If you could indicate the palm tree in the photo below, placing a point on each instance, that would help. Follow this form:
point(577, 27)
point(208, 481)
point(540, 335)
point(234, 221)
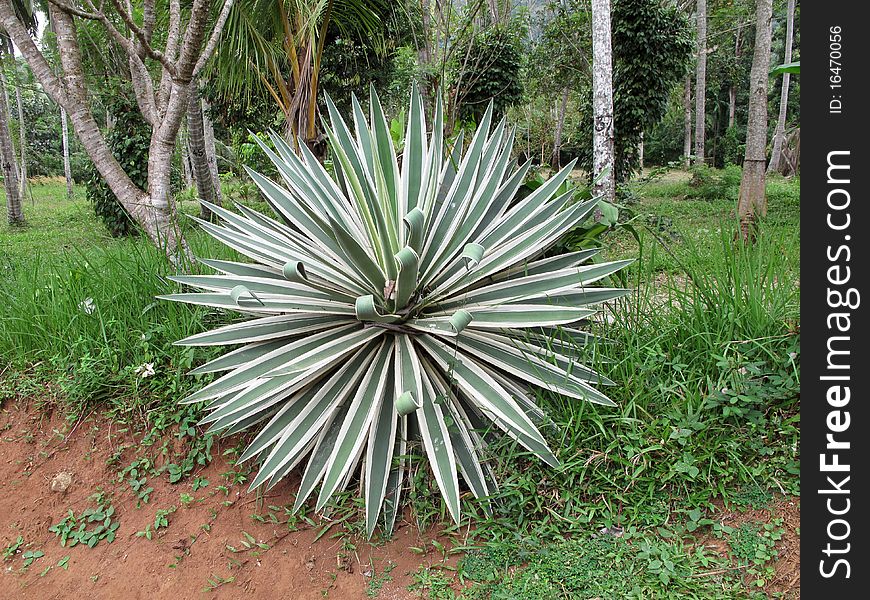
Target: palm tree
point(277, 45)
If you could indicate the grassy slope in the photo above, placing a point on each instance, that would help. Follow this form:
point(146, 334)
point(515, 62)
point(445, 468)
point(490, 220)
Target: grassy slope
point(707, 384)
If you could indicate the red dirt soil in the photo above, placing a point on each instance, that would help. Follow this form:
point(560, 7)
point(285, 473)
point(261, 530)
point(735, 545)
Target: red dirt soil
point(35, 446)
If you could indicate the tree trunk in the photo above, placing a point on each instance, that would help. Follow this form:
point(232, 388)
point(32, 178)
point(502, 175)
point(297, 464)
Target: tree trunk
point(687, 123)
point(732, 104)
point(732, 89)
point(198, 159)
point(701, 83)
point(211, 151)
point(602, 103)
point(556, 159)
point(640, 153)
point(776, 159)
point(157, 214)
point(22, 144)
point(752, 201)
point(184, 141)
point(187, 47)
point(67, 168)
point(14, 211)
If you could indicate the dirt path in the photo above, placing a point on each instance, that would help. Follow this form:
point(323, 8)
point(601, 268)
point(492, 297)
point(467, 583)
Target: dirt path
point(216, 544)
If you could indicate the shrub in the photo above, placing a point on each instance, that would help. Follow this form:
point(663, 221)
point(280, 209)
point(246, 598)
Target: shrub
point(395, 302)
point(129, 141)
point(715, 184)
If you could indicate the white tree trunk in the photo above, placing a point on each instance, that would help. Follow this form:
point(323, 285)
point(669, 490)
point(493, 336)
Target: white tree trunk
point(687, 122)
point(701, 83)
point(732, 89)
point(776, 161)
point(556, 159)
point(14, 211)
point(602, 103)
point(22, 144)
point(752, 200)
point(67, 167)
point(640, 152)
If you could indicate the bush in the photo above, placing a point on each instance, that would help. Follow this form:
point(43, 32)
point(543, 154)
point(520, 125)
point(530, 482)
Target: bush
point(715, 184)
point(129, 141)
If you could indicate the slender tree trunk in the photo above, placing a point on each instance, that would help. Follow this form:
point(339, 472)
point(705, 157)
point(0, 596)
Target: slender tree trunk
point(67, 167)
point(602, 102)
point(184, 141)
point(732, 104)
point(22, 144)
point(701, 82)
point(752, 200)
point(211, 151)
point(640, 153)
point(687, 122)
point(732, 89)
point(14, 211)
point(556, 159)
point(198, 158)
point(776, 161)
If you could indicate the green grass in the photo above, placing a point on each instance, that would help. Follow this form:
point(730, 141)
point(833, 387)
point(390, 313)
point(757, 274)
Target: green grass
point(54, 225)
point(705, 353)
point(673, 216)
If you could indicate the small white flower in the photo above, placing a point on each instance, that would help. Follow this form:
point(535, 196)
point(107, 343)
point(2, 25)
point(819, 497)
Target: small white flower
point(87, 305)
point(145, 370)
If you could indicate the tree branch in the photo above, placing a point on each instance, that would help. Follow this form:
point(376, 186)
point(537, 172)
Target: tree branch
point(75, 11)
point(213, 40)
point(144, 45)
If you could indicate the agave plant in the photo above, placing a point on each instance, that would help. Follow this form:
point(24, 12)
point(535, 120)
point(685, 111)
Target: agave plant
point(396, 302)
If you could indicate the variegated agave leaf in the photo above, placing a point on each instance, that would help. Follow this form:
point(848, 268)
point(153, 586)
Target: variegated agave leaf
point(386, 294)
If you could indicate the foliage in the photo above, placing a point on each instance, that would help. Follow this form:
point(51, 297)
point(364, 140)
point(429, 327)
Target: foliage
point(586, 236)
point(412, 296)
point(663, 143)
point(714, 184)
point(753, 546)
point(671, 363)
point(490, 64)
point(129, 141)
point(90, 527)
point(732, 148)
point(82, 307)
point(651, 49)
point(44, 141)
point(13, 548)
point(634, 565)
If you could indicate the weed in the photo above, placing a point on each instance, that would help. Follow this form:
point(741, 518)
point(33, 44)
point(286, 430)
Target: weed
point(377, 580)
point(753, 546)
point(90, 527)
point(13, 548)
point(29, 556)
point(215, 581)
point(161, 521)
